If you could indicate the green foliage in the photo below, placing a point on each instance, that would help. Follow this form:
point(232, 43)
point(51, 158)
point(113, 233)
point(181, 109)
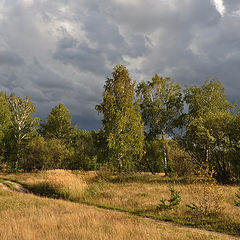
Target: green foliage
point(233, 154)
point(208, 131)
point(56, 154)
point(58, 124)
point(100, 143)
point(208, 97)
point(161, 108)
point(84, 153)
point(41, 154)
point(174, 200)
point(5, 121)
point(34, 154)
point(212, 131)
point(161, 105)
point(122, 125)
point(152, 159)
point(22, 129)
point(57, 130)
point(180, 161)
point(237, 201)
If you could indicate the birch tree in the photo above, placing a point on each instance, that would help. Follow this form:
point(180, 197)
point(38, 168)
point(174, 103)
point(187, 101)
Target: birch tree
point(161, 106)
point(23, 127)
point(122, 123)
point(209, 136)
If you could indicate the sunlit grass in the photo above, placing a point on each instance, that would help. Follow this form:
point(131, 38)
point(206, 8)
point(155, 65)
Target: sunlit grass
point(60, 184)
point(28, 217)
point(141, 194)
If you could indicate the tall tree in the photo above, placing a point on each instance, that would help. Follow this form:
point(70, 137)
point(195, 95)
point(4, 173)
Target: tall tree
point(208, 97)
point(58, 124)
point(209, 120)
point(23, 127)
point(5, 121)
point(161, 108)
point(122, 124)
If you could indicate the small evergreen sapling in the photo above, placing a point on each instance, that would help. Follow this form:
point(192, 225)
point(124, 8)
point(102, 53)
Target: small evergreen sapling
point(237, 202)
point(174, 200)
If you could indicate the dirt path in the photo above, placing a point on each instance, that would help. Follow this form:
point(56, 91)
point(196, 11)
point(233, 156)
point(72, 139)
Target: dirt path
point(13, 186)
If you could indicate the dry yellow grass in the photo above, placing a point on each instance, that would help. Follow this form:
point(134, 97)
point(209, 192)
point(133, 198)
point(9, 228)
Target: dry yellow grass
point(67, 184)
point(144, 195)
point(28, 217)
point(62, 183)
point(147, 195)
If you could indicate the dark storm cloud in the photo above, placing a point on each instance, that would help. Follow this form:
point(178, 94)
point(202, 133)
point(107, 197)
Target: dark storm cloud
point(232, 6)
point(83, 57)
point(10, 58)
point(62, 51)
point(86, 122)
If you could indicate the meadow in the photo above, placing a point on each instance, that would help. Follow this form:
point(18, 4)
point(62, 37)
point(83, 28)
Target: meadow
point(62, 204)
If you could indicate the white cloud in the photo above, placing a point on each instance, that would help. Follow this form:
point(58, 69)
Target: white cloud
point(127, 2)
point(28, 2)
point(219, 6)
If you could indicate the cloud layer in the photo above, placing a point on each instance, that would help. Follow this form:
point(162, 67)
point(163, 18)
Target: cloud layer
point(62, 51)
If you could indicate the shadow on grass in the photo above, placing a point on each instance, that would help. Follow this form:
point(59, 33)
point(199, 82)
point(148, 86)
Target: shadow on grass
point(44, 189)
point(146, 178)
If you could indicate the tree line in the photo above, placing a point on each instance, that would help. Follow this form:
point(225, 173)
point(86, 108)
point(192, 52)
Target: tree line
point(154, 126)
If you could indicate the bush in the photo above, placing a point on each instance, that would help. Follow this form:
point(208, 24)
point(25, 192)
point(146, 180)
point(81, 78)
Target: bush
point(237, 202)
point(180, 161)
point(210, 201)
point(174, 200)
point(44, 154)
point(152, 160)
point(34, 154)
point(84, 154)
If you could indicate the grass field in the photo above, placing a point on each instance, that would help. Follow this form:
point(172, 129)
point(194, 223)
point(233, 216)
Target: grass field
point(27, 216)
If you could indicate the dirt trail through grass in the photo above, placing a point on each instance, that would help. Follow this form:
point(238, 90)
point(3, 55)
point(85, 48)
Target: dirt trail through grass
point(9, 185)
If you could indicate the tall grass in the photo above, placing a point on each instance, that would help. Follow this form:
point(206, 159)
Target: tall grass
point(61, 184)
point(28, 217)
point(141, 194)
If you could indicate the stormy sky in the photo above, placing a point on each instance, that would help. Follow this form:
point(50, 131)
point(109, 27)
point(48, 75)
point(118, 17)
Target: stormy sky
point(62, 51)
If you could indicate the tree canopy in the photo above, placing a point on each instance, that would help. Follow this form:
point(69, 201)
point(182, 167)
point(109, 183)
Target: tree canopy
point(161, 108)
point(58, 124)
point(209, 121)
point(122, 123)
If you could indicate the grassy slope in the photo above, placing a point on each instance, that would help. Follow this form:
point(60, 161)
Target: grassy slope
point(25, 216)
point(141, 194)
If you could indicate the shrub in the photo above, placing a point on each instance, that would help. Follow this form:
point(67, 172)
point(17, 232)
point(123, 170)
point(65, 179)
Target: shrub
point(180, 161)
point(237, 202)
point(152, 160)
point(208, 200)
point(44, 154)
point(34, 154)
point(174, 200)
